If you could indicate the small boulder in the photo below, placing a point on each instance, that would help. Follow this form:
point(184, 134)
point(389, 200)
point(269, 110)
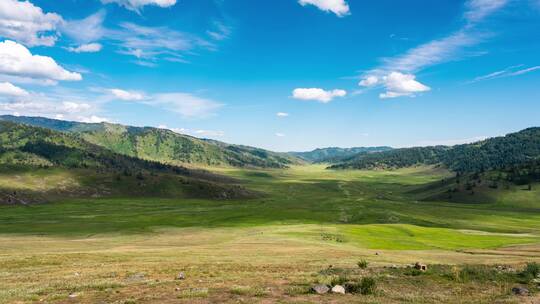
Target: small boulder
point(72, 295)
point(320, 289)
point(420, 266)
point(338, 289)
point(520, 291)
point(181, 276)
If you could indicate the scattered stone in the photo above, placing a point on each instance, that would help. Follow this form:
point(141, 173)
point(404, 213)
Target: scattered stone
point(520, 291)
point(177, 289)
point(320, 289)
point(420, 266)
point(376, 253)
point(181, 276)
point(394, 266)
point(73, 295)
point(338, 289)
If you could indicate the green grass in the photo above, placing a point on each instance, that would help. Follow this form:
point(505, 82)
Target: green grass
point(371, 209)
point(312, 225)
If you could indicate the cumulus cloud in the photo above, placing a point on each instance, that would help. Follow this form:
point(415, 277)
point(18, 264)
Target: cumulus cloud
point(93, 119)
point(280, 134)
point(40, 105)
point(317, 94)
point(86, 48)
point(282, 114)
point(398, 84)
point(8, 89)
point(338, 7)
point(126, 95)
point(136, 5)
point(28, 24)
point(16, 60)
point(369, 81)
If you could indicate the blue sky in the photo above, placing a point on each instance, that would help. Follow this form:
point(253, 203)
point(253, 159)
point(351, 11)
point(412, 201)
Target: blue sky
point(282, 75)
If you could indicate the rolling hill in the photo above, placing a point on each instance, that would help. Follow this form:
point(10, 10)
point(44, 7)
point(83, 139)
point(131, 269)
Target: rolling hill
point(163, 145)
point(496, 153)
point(335, 154)
point(50, 165)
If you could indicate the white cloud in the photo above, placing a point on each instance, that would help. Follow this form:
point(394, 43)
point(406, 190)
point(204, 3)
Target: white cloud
point(148, 44)
point(87, 30)
point(317, 94)
point(187, 105)
point(512, 71)
point(196, 133)
point(135, 5)
point(28, 24)
point(449, 48)
point(43, 106)
point(280, 134)
point(86, 48)
point(480, 9)
point(338, 7)
point(126, 95)
point(73, 107)
point(8, 89)
point(16, 60)
point(221, 31)
point(398, 84)
point(369, 81)
point(432, 53)
point(92, 119)
point(54, 102)
point(282, 114)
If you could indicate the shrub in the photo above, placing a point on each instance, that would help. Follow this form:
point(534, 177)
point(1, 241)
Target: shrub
point(366, 286)
point(530, 272)
point(363, 264)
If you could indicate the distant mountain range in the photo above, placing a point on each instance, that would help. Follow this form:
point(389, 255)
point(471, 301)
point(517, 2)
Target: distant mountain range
point(515, 149)
point(42, 141)
point(161, 145)
point(334, 154)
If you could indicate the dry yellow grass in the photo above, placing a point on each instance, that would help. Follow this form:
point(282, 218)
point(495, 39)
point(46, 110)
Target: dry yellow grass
point(253, 265)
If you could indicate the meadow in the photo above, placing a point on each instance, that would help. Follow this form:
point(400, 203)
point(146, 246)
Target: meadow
point(308, 225)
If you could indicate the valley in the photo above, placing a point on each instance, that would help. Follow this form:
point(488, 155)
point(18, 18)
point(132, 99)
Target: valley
point(128, 249)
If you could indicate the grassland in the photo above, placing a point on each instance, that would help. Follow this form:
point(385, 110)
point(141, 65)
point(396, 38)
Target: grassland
point(271, 248)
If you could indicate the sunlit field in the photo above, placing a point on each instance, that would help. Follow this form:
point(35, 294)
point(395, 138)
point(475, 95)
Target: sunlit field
point(309, 225)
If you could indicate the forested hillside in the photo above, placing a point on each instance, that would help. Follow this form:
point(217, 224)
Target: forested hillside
point(163, 145)
point(503, 152)
point(334, 154)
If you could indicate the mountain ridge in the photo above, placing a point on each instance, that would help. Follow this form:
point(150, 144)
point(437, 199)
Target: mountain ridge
point(163, 145)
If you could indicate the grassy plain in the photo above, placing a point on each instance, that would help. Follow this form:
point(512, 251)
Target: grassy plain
point(269, 249)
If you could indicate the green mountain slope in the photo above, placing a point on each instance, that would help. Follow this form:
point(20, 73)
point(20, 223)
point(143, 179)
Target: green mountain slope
point(335, 154)
point(163, 145)
point(491, 154)
point(85, 169)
